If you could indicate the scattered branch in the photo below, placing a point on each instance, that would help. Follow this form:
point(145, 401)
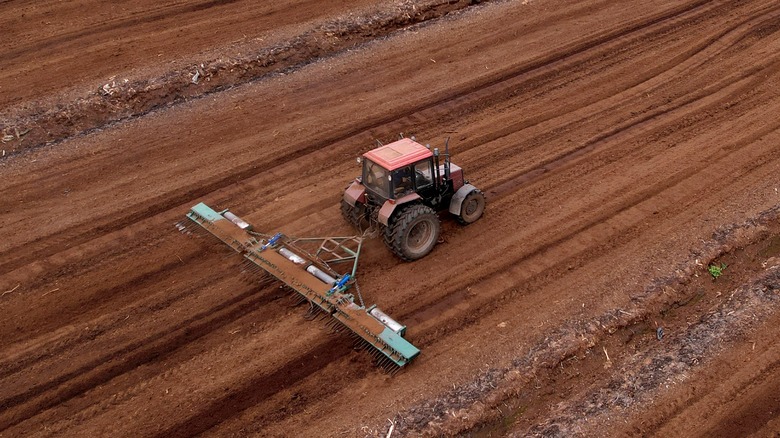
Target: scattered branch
point(11, 290)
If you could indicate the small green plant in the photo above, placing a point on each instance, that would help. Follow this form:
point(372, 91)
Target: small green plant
point(716, 270)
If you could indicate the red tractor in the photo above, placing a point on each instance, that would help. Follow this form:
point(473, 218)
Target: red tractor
point(402, 189)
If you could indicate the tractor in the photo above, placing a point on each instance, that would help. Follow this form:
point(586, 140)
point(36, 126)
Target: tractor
point(402, 189)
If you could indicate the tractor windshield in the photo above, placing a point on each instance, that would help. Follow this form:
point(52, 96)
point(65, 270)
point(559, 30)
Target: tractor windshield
point(376, 178)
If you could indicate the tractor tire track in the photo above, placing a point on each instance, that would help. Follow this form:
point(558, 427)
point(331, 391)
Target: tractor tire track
point(427, 310)
point(592, 111)
point(155, 14)
point(537, 281)
point(545, 171)
point(122, 100)
point(141, 352)
point(259, 389)
point(162, 204)
point(660, 144)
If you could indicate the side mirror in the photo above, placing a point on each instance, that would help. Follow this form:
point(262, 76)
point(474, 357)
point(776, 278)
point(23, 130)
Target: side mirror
point(359, 160)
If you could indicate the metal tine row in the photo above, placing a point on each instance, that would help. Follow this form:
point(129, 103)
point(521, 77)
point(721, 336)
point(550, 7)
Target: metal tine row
point(296, 299)
point(313, 312)
point(193, 229)
point(360, 344)
point(250, 268)
point(393, 369)
point(336, 327)
point(385, 362)
point(189, 228)
point(182, 226)
point(228, 252)
point(379, 358)
point(266, 282)
point(257, 276)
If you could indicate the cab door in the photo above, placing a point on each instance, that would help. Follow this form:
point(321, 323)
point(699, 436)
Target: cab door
point(423, 179)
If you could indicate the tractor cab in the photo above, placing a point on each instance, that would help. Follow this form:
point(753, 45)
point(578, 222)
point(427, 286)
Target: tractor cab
point(398, 169)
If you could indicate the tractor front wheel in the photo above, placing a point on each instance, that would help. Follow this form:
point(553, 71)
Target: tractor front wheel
point(472, 207)
point(413, 232)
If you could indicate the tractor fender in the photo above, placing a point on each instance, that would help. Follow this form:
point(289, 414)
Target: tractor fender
point(356, 192)
point(459, 196)
point(391, 204)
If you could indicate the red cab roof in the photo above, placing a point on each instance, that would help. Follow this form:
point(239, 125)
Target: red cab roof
point(398, 154)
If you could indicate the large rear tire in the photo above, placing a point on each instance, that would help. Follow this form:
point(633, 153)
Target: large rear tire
point(413, 232)
point(472, 207)
point(353, 215)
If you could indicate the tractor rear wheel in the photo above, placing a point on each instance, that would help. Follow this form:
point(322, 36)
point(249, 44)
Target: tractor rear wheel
point(353, 214)
point(413, 232)
point(472, 207)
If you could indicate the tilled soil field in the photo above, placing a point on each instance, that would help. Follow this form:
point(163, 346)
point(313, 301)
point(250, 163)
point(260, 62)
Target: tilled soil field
point(625, 147)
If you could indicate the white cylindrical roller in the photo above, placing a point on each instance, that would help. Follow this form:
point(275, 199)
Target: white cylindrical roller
point(295, 258)
point(322, 276)
point(240, 223)
point(387, 321)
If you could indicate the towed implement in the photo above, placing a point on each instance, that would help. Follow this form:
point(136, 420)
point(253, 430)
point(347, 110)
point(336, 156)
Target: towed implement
point(305, 266)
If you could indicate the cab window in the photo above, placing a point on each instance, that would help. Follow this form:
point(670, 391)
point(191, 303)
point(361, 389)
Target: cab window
point(376, 178)
point(423, 174)
point(402, 181)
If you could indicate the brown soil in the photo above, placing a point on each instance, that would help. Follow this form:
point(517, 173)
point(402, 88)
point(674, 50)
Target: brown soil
point(624, 147)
